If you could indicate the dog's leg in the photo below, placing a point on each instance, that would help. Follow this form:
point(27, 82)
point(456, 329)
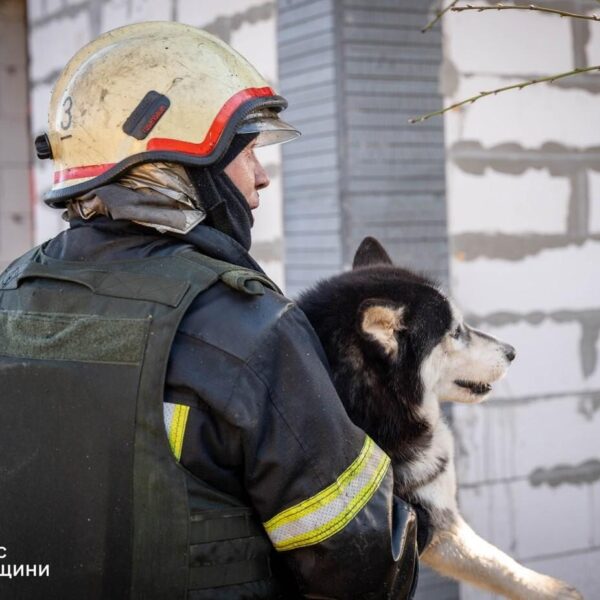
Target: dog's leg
point(458, 552)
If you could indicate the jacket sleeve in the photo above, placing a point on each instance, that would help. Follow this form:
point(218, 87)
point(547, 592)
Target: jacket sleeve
point(322, 488)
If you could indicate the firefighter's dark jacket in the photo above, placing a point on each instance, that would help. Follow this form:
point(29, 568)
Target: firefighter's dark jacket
point(284, 496)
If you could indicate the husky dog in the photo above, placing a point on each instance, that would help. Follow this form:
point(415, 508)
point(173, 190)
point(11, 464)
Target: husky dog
point(397, 348)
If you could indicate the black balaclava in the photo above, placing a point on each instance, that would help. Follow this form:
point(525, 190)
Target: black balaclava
point(226, 208)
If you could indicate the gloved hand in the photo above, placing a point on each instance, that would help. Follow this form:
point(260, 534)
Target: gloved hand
point(424, 527)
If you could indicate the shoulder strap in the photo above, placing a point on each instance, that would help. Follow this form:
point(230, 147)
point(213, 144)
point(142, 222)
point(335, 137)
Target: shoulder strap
point(145, 285)
point(239, 278)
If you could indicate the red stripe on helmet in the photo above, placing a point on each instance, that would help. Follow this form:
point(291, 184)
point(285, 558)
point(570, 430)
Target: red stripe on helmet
point(216, 129)
point(167, 144)
point(81, 172)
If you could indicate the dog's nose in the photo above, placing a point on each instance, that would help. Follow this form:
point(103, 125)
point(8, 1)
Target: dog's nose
point(509, 352)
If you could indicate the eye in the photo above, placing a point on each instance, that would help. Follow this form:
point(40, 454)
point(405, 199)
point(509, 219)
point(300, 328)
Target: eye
point(456, 333)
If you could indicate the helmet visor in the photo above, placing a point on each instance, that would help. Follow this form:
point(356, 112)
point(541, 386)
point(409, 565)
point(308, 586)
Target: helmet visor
point(270, 128)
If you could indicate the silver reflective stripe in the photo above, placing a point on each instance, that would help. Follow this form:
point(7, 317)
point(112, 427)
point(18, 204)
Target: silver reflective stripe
point(328, 512)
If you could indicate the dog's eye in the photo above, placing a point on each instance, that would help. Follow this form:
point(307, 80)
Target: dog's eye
point(456, 333)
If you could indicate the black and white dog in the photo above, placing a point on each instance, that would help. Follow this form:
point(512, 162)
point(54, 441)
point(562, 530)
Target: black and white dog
point(397, 348)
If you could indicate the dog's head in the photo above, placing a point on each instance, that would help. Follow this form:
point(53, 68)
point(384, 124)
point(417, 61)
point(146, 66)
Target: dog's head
point(394, 325)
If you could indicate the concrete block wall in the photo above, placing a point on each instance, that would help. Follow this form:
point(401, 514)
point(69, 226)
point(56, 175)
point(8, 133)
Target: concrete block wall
point(313, 216)
point(354, 71)
point(15, 206)
point(523, 180)
point(58, 28)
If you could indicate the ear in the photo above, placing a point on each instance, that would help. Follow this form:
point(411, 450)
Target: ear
point(379, 321)
point(370, 252)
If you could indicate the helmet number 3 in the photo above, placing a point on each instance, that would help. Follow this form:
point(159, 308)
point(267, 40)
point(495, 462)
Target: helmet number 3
point(67, 119)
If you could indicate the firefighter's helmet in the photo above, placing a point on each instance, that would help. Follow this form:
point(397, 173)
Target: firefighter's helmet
point(156, 91)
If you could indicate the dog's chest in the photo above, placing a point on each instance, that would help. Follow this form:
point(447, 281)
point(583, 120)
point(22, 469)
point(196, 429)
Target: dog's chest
point(430, 463)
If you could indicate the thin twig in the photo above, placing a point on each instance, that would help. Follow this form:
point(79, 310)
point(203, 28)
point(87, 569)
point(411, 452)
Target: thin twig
point(520, 86)
point(439, 14)
point(533, 7)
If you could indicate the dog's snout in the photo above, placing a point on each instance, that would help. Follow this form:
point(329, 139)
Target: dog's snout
point(509, 352)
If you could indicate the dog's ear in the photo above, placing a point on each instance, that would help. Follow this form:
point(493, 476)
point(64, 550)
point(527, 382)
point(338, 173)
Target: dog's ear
point(370, 252)
point(380, 321)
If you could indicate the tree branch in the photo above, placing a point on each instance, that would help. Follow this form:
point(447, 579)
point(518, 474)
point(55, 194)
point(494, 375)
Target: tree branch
point(439, 14)
point(520, 86)
point(532, 7)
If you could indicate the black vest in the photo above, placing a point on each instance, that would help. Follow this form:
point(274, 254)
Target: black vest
point(92, 499)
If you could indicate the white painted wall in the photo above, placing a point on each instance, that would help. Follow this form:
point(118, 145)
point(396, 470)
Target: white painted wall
point(57, 29)
point(15, 206)
point(524, 213)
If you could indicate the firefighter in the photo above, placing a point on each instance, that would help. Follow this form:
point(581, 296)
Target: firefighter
point(169, 424)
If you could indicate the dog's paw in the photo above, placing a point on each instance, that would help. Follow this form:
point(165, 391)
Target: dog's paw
point(554, 589)
point(543, 587)
point(568, 593)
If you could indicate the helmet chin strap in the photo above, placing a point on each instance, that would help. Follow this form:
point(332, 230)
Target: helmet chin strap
point(226, 207)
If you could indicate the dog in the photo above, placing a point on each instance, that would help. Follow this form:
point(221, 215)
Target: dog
point(397, 347)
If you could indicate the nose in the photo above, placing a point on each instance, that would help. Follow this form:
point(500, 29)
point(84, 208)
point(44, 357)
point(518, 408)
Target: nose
point(261, 179)
point(509, 352)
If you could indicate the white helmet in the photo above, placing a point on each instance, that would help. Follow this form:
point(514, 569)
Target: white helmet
point(157, 91)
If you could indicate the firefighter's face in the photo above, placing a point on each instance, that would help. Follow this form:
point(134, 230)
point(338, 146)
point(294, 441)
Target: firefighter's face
point(248, 175)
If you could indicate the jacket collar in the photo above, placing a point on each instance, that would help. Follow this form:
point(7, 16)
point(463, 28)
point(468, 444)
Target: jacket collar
point(212, 242)
point(104, 239)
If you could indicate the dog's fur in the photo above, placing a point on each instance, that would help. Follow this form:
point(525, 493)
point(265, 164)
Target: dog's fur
point(397, 347)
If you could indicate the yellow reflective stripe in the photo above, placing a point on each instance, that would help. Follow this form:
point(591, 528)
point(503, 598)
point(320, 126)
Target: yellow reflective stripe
point(176, 420)
point(335, 525)
point(323, 497)
point(329, 511)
